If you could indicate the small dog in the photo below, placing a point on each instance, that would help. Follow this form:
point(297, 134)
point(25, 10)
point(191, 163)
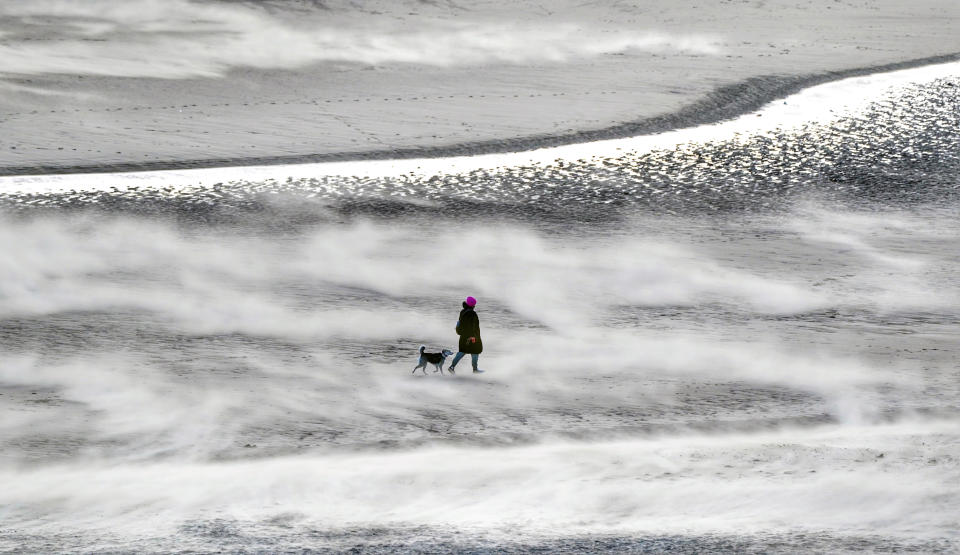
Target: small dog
point(436, 359)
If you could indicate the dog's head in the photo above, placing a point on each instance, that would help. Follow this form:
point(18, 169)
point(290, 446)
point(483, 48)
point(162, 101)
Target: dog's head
point(445, 353)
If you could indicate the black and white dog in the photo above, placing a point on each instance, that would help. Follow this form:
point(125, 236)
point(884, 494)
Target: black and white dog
point(436, 359)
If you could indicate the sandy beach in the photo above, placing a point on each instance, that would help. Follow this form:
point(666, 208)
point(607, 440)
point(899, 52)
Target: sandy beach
point(437, 79)
point(728, 338)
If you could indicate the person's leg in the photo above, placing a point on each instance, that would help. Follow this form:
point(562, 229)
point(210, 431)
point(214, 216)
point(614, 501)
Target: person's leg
point(456, 359)
point(474, 358)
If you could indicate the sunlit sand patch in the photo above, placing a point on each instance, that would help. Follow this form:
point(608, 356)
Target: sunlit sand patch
point(807, 137)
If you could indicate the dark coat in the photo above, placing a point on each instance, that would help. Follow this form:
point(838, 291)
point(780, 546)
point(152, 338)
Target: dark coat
point(469, 326)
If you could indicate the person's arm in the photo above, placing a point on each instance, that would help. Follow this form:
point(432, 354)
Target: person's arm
point(473, 330)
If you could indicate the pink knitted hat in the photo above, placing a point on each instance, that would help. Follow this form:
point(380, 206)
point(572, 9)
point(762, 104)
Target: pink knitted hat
point(471, 301)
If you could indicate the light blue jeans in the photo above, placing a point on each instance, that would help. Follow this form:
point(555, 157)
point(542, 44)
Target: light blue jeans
point(473, 358)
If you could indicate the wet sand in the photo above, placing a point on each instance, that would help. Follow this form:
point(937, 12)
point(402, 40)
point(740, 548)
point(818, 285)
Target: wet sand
point(334, 110)
point(743, 341)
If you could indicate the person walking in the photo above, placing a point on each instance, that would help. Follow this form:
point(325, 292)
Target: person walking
point(468, 328)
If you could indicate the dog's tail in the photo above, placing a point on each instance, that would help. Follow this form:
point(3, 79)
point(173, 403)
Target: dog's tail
point(422, 348)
